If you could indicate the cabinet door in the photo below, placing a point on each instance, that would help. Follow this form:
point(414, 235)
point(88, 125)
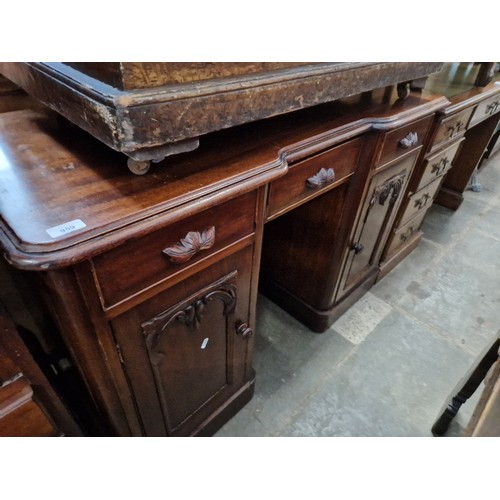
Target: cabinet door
point(186, 352)
point(377, 215)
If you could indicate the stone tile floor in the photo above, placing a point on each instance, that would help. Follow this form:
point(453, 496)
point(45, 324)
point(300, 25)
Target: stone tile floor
point(386, 366)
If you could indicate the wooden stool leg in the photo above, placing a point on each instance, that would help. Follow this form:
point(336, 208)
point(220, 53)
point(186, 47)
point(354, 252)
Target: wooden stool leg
point(466, 388)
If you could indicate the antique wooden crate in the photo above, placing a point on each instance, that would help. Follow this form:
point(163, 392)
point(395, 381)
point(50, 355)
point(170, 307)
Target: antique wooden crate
point(151, 110)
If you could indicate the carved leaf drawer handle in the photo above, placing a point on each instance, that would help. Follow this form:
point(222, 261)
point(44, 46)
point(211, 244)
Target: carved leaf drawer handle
point(190, 245)
point(409, 141)
point(322, 178)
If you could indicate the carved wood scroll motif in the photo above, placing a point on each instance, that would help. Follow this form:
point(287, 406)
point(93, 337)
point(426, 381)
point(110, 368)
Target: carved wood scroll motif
point(392, 185)
point(190, 311)
point(190, 245)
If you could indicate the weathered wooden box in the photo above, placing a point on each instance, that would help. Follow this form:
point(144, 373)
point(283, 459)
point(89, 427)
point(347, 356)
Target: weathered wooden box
point(151, 110)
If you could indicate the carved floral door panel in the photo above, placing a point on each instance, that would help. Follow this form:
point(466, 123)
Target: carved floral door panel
point(379, 210)
point(184, 358)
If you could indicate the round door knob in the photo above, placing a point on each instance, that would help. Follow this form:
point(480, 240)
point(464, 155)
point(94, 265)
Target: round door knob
point(358, 248)
point(244, 330)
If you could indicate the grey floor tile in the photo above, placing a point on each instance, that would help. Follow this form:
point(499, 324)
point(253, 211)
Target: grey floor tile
point(431, 316)
point(483, 199)
point(412, 269)
point(444, 226)
point(460, 300)
point(291, 364)
point(391, 385)
point(360, 320)
point(489, 223)
point(278, 409)
point(479, 249)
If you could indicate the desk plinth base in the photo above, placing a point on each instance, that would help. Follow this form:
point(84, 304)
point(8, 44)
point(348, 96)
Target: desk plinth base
point(223, 414)
point(449, 198)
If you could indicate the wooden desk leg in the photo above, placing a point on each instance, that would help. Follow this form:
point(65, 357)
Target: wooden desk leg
point(466, 162)
point(465, 388)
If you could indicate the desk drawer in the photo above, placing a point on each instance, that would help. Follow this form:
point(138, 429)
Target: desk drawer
point(420, 201)
point(404, 234)
point(486, 109)
point(138, 264)
point(20, 414)
point(307, 178)
point(404, 139)
point(437, 165)
point(451, 128)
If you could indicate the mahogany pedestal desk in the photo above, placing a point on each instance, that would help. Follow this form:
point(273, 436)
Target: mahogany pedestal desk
point(152, 280)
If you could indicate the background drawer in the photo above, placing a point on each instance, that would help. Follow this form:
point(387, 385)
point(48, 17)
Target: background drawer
point(20, 415)
point(404, 139)
point(485, 109)
point(304, 180)
point(420, 201)
point(140, 263)
point(404, 234)
point(437, 165)
point(451, 128)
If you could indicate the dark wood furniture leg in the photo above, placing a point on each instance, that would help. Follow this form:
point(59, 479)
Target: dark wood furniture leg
point(485, 420)
point(33, 408)
point(466, 162)
point(485, 74)
point(466, 387)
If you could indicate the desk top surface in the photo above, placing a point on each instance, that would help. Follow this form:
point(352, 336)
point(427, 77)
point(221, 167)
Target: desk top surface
point(65, 195)
point(456, 82)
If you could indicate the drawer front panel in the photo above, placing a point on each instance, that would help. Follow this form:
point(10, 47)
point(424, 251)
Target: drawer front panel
point(451, 128)
point(437, 165)
point(140, 263)
point(420, 201)
point(404, 139)
point(486, 109)
point(307, 178)
point(404, 234)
